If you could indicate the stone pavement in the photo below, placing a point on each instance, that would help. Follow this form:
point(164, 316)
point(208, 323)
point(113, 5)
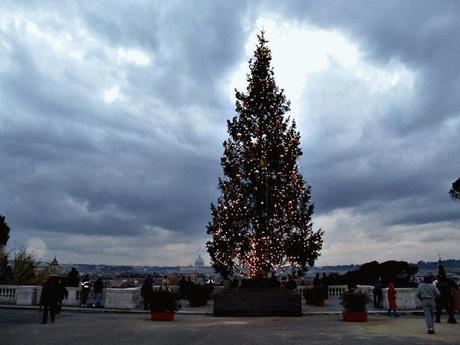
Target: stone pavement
point(332, 306)
point(22, 327)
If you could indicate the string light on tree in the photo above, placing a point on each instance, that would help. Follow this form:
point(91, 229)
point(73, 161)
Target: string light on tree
point(262, 219)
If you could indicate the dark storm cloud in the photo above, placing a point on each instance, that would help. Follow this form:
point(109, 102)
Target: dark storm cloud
point(409, 149)
point(148, 158)
point(78, 166)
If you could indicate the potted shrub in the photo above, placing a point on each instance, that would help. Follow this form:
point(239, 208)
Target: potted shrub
point(354, 305)
point(163, 305)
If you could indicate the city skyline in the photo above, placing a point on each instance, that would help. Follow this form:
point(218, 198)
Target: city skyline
point(113, 116)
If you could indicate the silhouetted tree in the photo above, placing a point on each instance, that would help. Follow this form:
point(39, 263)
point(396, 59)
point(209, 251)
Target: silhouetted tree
point(455, 190)
point(5, 269)
point(4, 231)
point(263, 217)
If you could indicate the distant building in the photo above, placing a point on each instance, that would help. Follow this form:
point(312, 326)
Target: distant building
point(199, 262)
point(54, 268)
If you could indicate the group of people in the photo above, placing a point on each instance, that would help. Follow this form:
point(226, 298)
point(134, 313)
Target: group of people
point(187, 289)
point(436, 296)
point(54, 291)
point(87, 290)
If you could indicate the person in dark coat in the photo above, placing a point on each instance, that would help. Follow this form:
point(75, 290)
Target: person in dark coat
point(62, 293)
point(182, 288)
point(147, 291)
point(49, 300)
point(444, 300)
point(97, 289)
point(378, 294)
point(73, 278)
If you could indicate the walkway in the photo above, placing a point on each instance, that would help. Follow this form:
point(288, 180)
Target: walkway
point(22, 327)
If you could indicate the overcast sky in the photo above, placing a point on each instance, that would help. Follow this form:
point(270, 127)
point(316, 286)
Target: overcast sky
point(113, 114)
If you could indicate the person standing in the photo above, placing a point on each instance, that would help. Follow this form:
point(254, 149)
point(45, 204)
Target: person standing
point(85, 290)
point(147, 291)
point(444, 300)
point(61, 294)
point(427, 293)
point(98, 288)
point(182, 288)
point(49, 300)
point(378, 294)
point(391, 293)
point(73, 278)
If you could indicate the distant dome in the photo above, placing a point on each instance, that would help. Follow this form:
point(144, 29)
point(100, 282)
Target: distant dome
point(199, 261)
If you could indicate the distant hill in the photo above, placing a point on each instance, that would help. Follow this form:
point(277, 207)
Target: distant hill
point(114, 269)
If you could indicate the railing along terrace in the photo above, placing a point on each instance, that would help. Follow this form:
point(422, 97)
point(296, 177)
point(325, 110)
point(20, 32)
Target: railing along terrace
point(8, 294)
point(336, 290)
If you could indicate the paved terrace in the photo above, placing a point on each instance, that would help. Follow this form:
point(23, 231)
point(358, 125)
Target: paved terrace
point(22, 327)
point(332, 306)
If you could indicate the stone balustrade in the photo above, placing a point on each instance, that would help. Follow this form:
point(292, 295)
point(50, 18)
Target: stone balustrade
point(130, 298)
point(406, 299)
point(30, 295)
point(336, 291)
point(8, 294)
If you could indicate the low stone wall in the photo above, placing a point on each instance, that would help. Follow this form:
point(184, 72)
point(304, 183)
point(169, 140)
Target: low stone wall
point(366, 289)
point(73, 298)
point(406, 299)
point(20, 294)
point(8, 294)
point(128, 298)
point(258, 303)
point(27, 295)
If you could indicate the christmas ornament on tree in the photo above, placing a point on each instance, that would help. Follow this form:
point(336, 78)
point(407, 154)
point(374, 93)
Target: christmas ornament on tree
point(269, 223)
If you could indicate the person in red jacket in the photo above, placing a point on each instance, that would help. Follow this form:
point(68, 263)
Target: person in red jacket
point(392, 299)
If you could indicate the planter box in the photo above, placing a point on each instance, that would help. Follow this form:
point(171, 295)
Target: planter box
point(355, 316)
point(162, 315)
point(258, 302)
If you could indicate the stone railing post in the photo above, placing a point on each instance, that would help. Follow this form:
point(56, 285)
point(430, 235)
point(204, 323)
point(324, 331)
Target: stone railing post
point(8, 294)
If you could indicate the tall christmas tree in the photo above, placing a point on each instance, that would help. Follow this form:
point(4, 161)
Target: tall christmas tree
point(262, 219)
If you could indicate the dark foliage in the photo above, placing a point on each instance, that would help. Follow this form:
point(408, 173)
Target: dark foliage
point(354, 301)
point(164, 300)
point(4, 231)
point(369, 273)
point(5, 270)
point(455, 190)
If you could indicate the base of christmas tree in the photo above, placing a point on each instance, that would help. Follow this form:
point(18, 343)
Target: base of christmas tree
point(258, 302)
